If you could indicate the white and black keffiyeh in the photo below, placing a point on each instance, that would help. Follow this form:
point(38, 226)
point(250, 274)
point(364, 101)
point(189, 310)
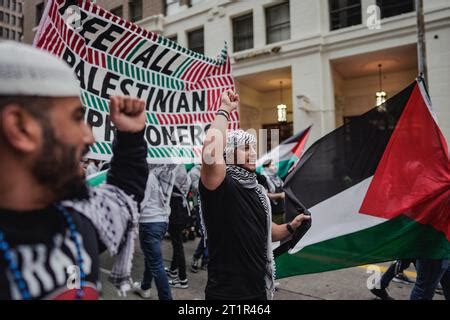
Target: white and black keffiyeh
point(115, 216)
point(236, 139)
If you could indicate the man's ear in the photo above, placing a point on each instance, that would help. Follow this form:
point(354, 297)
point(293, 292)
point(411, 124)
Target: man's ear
point(20, 129)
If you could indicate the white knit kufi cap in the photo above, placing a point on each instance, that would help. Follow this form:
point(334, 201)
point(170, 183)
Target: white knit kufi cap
point(28, 71)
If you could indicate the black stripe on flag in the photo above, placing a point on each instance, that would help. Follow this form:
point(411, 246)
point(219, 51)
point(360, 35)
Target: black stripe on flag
point(296, 137)
point(346, 156)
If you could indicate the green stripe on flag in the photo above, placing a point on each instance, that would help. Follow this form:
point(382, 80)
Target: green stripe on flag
point(107, 147)
point(98, 178)
point(127, 69)
point(181, 67)
point(105, 105)
point(184, 68)
point(115, 67)
point(121, 68)
point(99, 146)
point(166, 152)
point(93, 148)
point(99, 103)
point(138, 73)
point(359, 248)
point(83, 100)
point(109, 62)
point(159, 153)
point(93, 102)
point(155, 119)
point(173, 152)
point(136, 48)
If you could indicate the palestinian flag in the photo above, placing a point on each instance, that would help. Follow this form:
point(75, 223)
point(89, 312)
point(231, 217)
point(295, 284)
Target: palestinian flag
point(378, 189)
point(288, 153)
point(97, 178)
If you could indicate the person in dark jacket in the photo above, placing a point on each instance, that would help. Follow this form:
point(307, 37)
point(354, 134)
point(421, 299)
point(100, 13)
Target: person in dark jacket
point(178, 219)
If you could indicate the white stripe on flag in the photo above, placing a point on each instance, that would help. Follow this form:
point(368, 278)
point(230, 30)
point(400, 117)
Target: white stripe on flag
point(338, 216)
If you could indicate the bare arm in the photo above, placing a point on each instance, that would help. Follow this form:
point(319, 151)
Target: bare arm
point(213, 164)
point(129, 168)
point(281, 232)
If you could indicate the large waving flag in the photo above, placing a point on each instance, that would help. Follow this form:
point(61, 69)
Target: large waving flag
point(287, 154)
point(112, 56)
point(378, 189)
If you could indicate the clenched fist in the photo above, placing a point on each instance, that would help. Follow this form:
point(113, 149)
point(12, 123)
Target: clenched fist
point(298, 220)
point(230, 101)
point(127, 113)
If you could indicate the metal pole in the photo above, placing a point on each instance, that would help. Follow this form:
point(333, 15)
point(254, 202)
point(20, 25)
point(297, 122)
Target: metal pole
point(421, 48)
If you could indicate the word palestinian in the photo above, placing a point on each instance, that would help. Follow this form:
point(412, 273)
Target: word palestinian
point(111, 56)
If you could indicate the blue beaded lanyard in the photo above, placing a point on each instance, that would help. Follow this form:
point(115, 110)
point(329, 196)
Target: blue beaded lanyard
point(17, 274)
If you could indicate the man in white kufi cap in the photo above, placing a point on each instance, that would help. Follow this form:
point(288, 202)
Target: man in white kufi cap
point(52, 227)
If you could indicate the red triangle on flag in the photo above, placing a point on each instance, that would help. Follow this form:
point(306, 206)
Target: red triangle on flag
point(413, 176)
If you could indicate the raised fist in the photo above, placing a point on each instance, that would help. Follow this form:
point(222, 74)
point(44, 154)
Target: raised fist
point(127, 113)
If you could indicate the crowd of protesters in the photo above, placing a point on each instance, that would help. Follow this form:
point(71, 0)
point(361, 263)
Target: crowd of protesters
point(48, 212)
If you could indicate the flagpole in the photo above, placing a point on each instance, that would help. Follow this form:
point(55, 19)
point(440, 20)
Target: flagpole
point(421, 48)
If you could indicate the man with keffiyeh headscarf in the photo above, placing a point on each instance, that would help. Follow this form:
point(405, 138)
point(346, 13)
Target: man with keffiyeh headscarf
point(237, 215)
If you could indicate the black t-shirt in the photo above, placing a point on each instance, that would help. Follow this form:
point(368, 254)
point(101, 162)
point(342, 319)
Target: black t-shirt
point(236, 228)
point(179, 213)
point(40, 240)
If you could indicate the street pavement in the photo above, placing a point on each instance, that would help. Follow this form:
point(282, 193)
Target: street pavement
point(345, 284)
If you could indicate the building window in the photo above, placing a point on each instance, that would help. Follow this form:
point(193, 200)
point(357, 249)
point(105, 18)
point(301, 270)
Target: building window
point(6, 33)
point(344, 13)
point(1, 31)
point(135, 10)
point(13, 7)
point(278, 24)
point(13, 20)
point(195, 2)
point(172, 7)
point(390, 8)
point(117, 11)
point(6, 18)
point(196, 41)
point(20, 7)
point(243, 32)
point(39, 12)
point(13, 35)
point(173, 38)
point(1, 18)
